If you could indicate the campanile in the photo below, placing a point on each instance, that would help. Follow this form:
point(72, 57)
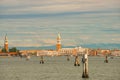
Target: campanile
point(58, 45)
point(6, 43)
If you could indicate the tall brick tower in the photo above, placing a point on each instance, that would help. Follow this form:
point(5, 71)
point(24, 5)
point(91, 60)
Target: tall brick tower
point(58, 45)
point(6, 43)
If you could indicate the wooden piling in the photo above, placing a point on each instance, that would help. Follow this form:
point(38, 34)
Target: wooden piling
point(68, 58)
point(85, 65)
point(41, 60)
point(77, 61)
point(106, 59)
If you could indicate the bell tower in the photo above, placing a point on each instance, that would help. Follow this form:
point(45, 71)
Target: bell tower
point(58, 45)
point(6, 43)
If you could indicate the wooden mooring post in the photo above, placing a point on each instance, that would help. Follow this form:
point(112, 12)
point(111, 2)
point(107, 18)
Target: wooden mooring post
point(106, 59)
point(85, 65)
point(77, 61)
point(68, 58)
point(41, 60)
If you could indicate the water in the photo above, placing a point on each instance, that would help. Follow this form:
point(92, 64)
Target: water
point(57, 68)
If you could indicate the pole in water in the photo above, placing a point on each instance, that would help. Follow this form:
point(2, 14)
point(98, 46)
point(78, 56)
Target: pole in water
point(85, 65)
point(106, 59)
point(41, 60)
point(77, 62)
point(28, 57)
point(68, 58)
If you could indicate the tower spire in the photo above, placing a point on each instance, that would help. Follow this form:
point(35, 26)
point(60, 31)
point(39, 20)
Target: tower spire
point(6, 40)
point(58, 45)
point(6, 43)
point(59, 35)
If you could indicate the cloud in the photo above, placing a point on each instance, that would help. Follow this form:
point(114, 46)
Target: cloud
point(43, 7)
point(49, 41)
point(37, 22)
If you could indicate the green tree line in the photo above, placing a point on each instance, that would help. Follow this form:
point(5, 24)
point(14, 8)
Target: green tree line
point(13, 49)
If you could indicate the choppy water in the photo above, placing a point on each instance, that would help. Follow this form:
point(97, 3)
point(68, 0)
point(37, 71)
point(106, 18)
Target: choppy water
point(57, 68)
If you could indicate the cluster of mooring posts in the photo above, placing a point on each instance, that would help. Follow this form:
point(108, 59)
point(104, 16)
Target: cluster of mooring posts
point(76, 63)
point(85, 63)
point(106, 59)
point(41, 60)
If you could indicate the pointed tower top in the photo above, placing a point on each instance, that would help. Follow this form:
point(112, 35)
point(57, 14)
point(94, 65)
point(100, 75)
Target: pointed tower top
point(6, 37)
point(59, 35)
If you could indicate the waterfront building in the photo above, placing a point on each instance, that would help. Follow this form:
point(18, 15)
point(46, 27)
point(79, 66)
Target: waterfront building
point(72, 51)
point(105, 52)
point(40, 52)
point(92, 52)
point(115, 53)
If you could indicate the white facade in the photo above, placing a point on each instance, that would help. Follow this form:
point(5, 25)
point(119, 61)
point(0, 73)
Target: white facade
point(71, 51)
point(47, 53)
point(66, 51)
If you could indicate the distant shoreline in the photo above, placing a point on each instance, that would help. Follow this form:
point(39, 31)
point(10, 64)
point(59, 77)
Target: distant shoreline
point(93, 46)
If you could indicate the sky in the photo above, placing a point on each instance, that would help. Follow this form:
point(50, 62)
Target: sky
point(37, 22)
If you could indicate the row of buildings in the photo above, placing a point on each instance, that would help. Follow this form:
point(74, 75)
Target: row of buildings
point(72, 51)
point(61, 51)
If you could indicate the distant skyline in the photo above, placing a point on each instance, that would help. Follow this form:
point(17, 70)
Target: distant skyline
point(37, 22)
